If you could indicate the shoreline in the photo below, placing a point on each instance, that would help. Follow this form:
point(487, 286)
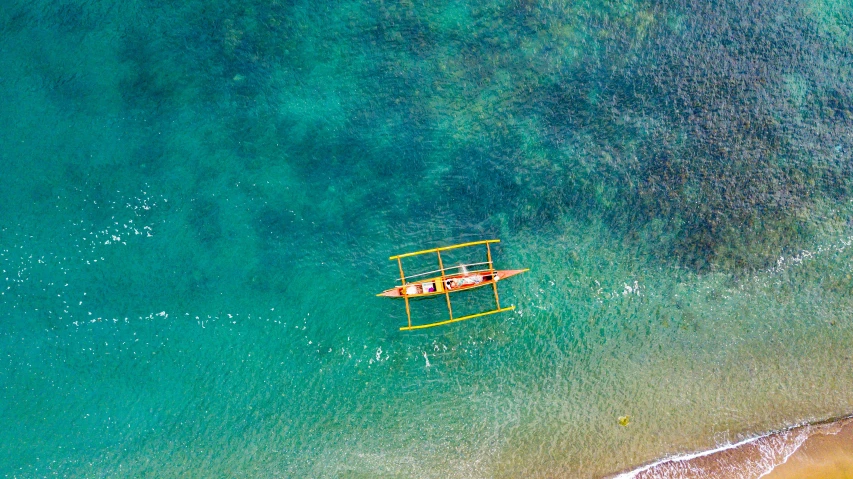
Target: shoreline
point(822, 449)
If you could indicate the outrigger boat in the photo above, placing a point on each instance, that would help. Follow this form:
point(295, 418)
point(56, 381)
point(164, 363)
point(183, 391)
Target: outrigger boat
point(453, 279)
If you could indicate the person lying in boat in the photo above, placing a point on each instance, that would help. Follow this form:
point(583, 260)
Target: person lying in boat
point(465, 280)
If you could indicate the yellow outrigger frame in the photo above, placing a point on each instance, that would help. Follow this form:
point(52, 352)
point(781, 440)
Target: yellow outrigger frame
point(441, 270)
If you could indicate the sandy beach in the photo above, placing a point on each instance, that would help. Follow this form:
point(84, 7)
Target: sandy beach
point(819, 451)
point(826, 454)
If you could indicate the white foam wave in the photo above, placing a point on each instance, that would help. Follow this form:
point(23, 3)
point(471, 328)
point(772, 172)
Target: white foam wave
point(770, 456)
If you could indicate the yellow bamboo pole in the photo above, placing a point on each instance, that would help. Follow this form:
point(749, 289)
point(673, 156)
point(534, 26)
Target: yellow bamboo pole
point(443, 286)
point(463, 318)
point(433, 250)
point(492, 268)
point(403, 279)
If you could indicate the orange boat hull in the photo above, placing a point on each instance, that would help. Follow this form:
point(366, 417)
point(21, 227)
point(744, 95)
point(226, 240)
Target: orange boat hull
point(452, 283)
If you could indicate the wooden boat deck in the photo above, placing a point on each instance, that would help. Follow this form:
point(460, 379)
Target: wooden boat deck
point(450, 283)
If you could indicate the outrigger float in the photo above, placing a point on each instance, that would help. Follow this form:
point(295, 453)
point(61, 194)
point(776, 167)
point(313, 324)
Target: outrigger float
point(451, 279)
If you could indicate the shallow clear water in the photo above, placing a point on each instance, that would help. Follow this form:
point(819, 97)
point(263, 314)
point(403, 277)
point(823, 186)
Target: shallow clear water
point(199, 201)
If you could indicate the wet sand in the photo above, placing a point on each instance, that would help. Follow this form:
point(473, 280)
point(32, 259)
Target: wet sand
point(820, 451)
point(824, 455)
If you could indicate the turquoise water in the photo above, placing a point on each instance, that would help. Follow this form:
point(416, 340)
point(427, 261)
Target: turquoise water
point(199, 201)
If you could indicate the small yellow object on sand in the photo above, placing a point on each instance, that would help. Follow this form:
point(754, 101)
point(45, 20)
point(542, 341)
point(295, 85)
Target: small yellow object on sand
point(624, 420)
